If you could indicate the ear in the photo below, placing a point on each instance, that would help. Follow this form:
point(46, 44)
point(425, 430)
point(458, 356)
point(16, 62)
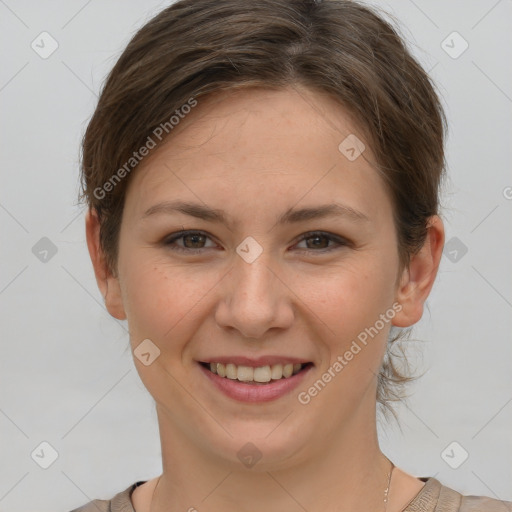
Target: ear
point(107, 282)
point(418, 278)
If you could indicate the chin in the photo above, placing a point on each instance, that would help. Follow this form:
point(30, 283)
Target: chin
point(262, 447)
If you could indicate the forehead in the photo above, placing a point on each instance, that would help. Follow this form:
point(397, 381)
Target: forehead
point(241, 120)
point(272, 147)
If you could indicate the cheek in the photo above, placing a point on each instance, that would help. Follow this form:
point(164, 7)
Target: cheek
point(162, 300)
point(350, 304)
point(363, 285)
point(351, 298)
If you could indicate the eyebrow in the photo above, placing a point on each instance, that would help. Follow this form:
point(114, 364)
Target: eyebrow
point(291, 216)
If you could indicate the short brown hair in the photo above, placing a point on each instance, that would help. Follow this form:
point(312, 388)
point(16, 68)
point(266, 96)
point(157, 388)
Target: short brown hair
point(339, 47)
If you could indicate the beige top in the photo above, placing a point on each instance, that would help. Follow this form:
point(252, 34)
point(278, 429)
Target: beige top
point(433, 497)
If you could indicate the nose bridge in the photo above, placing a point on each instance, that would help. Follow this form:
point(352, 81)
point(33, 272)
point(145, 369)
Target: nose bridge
point(254, 280)
point(254, 299)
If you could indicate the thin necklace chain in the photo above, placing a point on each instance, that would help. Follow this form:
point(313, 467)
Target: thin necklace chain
point(386, 491)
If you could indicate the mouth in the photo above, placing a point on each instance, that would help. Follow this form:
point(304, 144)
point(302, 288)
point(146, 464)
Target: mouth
point(259, 375)
point(250, 383)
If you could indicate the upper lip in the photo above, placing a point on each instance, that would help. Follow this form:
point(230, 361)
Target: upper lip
point(255, 362)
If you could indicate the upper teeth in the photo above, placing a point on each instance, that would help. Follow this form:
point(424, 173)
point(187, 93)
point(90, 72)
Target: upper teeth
point(259, 374)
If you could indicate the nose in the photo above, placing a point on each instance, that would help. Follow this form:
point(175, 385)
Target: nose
point(255, 298)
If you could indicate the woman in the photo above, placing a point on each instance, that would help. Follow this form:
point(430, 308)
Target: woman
point(262, 181)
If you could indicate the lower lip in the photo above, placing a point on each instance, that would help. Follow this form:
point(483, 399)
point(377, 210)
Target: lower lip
point(255, 392)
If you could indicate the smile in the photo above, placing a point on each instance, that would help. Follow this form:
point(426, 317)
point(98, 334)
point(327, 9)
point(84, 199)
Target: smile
point(257, 375)
point(252, 384)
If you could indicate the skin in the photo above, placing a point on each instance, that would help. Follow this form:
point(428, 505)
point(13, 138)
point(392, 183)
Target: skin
point(255, 154)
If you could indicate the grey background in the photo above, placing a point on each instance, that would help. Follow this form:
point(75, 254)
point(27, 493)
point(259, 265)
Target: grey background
point(66, 376)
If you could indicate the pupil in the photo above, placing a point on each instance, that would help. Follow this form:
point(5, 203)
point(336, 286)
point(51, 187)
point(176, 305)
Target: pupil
point(193, 237)
point(316, 238)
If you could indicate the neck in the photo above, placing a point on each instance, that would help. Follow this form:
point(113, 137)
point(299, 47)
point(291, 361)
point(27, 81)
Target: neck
point(347, 472)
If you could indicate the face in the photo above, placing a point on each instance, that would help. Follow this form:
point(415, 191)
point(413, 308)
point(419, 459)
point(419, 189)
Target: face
point(289, 256)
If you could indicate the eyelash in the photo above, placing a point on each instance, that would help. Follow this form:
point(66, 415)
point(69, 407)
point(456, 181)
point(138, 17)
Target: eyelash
point(169, 241)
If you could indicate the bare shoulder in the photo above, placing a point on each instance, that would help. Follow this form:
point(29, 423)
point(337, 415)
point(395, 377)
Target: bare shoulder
point(141, 496)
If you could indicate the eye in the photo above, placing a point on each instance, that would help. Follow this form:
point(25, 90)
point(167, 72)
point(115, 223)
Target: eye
point(193, 241)
point(320, 240)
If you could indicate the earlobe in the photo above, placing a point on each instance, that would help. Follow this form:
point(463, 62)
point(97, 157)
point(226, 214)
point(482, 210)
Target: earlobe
point(108, 284)
point(418, 278)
